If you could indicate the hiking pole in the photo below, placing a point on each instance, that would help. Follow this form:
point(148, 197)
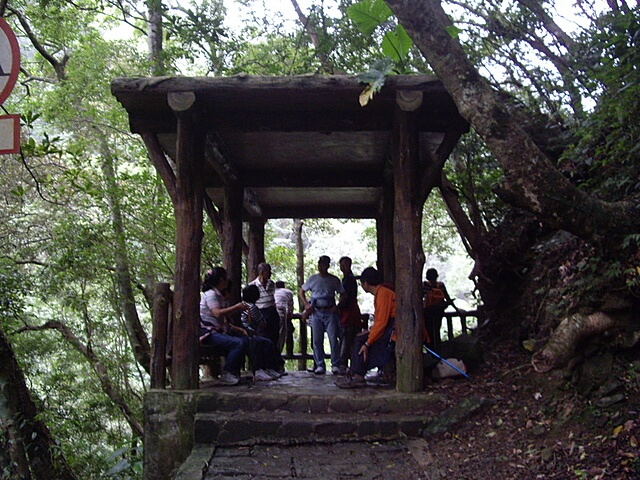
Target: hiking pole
point(448, 363)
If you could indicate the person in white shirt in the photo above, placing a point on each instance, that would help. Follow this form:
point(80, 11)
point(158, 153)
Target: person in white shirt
point(324, 314)
point(267, 303)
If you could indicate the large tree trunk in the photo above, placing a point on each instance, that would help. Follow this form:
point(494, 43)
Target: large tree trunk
point(27, 449)
point(154, 37)
point(531, 180)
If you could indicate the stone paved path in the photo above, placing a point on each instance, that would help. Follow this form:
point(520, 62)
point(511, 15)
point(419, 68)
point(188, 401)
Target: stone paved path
point(393, 460)
point(400, 459)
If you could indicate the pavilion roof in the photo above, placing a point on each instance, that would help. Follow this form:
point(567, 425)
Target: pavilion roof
point(301, 146)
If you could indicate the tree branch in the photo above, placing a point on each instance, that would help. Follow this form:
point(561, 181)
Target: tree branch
point(531, 180)
point(98, 367)
point(58, 65)
point(315, 39)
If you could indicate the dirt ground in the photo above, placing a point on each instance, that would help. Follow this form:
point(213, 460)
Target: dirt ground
point(537, 427)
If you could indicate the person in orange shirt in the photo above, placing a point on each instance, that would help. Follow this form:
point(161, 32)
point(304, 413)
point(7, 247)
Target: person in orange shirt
point(372, 348)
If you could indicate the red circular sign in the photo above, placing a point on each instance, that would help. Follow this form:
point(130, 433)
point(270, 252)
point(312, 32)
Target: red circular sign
point(9, 60)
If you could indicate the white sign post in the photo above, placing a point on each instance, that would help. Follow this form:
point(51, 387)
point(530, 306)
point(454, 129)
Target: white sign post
point(9, 69)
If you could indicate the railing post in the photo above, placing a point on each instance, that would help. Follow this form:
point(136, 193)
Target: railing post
point(463, 322)
point(449, 317)
point(161, 304)
point(302, 363)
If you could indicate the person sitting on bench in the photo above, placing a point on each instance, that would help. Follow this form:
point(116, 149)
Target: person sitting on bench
point(214, 328)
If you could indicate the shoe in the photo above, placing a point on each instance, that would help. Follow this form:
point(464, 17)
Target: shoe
point(355, 381)
point(273, 374)
point(335, 370)
point(320, 371)
point(262, 376)
point(228, 378)
point(311, 369)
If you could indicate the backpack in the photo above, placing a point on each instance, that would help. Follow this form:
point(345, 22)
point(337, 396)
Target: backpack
point(434, 295)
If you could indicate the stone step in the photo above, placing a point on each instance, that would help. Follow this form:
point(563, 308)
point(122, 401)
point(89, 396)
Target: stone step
point(360, 401)
point(241, 427)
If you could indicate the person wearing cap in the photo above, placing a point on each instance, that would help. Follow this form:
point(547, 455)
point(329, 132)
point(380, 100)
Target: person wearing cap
point(323, 311)
point(372, 348)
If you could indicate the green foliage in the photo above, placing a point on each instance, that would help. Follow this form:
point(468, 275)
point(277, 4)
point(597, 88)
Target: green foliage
point(12, 293)
point(282, 259)
point(271, 54)
point(475, 172)
point(604, 159)
point(196, 30)
point(438, 231)
point(368, 15)
point(396, 45)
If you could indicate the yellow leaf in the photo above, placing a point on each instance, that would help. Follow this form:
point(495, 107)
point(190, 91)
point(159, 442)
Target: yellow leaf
point(529, 345)
point(365, 96)
point(617, 430)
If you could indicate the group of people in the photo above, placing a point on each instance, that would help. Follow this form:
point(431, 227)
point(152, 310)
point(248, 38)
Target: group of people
point(355, 349)
point(249, 329)
point(331, 309)
point(341, 320)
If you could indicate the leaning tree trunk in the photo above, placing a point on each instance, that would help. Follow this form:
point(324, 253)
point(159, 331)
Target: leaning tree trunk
point(531, 180)
point(29, 449)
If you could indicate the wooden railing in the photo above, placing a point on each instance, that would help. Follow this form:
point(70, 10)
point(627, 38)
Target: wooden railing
point(463, 315)
point(304, 334)
point(161, 336)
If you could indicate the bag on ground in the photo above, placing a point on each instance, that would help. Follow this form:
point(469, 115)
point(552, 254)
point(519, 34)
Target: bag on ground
point(442, 370)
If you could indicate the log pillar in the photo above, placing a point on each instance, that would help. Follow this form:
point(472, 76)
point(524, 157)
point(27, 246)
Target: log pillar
point(298, 224)
point(408, 245)
point(188, 213)
point(161, 311)
point(386, 251)
point(256, 246)
point(232, 239)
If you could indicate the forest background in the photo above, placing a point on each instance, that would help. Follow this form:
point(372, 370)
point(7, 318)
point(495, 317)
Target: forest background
point(87, 228)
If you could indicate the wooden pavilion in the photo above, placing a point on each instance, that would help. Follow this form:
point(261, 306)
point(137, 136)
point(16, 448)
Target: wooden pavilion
point(250, 148)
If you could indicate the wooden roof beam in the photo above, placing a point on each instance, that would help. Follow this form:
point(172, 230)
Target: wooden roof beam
point(219, 160)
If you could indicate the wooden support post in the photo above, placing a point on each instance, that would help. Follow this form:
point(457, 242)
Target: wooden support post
point(232, 240)
point(188, 213)
point(256, 246)
point(161, 302)
point(302, 332)
point(385, 235)
point(408, 253)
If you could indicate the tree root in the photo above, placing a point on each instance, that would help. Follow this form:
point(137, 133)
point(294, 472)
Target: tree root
point(562, 343)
